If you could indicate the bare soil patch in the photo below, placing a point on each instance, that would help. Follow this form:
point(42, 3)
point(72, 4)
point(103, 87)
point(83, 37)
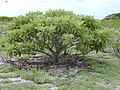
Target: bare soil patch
point(73, 62)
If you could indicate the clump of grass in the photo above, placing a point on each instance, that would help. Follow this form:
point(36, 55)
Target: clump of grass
point(7, 68)
point(9, 75)
point(6, 81)
point(27, 76)
point(41, 76)
point(22, 86)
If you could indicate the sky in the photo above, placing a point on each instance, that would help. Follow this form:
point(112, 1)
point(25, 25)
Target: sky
point(97, 8)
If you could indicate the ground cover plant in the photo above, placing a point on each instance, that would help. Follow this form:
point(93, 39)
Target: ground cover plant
point(104, 77)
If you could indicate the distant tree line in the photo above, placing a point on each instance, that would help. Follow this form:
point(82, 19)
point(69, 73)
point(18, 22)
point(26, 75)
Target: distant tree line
point(114, 16)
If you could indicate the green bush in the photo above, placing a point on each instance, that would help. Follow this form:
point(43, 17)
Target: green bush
point(53, 33)
point(6, 19)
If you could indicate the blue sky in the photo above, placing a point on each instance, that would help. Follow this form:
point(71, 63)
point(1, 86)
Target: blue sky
point(97, 8)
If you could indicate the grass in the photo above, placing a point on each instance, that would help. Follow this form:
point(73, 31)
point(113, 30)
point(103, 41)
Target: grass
point(94, 55)
point(9, 75)
point(7, 68)
point(106, 76)
point(22, 86)
point(42, 76)
point(6, 81)
point(7, 71)
point(105, 71)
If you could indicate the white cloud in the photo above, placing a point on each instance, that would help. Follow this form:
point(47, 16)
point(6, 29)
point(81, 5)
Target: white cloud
point(98, 8)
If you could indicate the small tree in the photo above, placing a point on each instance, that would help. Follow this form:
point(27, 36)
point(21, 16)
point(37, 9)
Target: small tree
point(114, 25)
point(116, 43)
point(52, 33)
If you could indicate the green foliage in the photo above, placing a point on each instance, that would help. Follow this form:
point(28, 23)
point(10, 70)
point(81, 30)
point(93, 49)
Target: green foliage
point(27, 76)
point(6, 19)
point(5, 81)
point(7, 68)
point(115, 26)
point(34, 70)
point(116, 44)
point(52, 33)
point(42, 77)
point(9, 75)
point(114, 16)
point(22, 86)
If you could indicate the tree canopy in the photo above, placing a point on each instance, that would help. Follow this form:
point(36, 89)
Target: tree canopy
point(52, 33)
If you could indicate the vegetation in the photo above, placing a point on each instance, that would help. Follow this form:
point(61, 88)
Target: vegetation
point(105, 76)
point(7, 68)
point(53, 33)
point(113, 24)
point(57, 33)
point(5, 18)
point(22, 86)
point(114, 16)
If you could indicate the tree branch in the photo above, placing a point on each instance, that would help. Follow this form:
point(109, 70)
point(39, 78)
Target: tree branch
point(51, 50)
point(45, 53)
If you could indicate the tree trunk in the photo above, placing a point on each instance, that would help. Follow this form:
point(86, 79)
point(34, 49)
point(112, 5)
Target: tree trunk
point(56, 57)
